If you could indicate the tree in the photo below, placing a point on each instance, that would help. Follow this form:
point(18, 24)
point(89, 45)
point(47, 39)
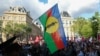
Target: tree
point(15, 28)
point(86, 30)
point(9, 30)
point(95, 21)
point(78, 24)
point(1, 25)
point(28, 30)
point(82, 27)
point(1, 30)
point(24, 30)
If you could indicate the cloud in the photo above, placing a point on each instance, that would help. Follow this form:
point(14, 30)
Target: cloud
point(36, 8)
point(86, 10)
point(4, 5)
point(78, 7)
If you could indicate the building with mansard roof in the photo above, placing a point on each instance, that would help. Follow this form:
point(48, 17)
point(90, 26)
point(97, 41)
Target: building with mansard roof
point(67, 23)
point(19, 15)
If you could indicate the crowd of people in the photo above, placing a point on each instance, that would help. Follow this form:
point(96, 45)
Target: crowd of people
point(73, 48)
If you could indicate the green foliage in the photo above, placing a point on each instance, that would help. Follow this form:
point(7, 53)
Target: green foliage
point(14, 28)
point(86, 30)
point(8, 28)
point(95, 21)
point(1, 26)
point(78, 25)
point(82, 27)
point(87, 27)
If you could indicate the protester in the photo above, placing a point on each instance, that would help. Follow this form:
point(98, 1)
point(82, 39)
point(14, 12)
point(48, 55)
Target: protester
point(73, 48)
point(13, 50)
point(7, 43)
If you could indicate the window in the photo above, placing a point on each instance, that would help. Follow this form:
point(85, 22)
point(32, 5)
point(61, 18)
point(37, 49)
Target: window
point(3, 17)
point(15, 10)
point(0, 17)
point(70, 22)
point(15, 18)
point(19, 9)
point(66, 22)
point(36, 23)
point(9, 17)
point(19, 17)
point(22, 18)
point(12, 9)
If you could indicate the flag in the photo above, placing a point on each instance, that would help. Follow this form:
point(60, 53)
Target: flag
point(90, 39)
point(53, 29)
point(98, 36)
point(36, 39)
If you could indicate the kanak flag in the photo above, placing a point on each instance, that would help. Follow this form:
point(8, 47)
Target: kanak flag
point(54, 35)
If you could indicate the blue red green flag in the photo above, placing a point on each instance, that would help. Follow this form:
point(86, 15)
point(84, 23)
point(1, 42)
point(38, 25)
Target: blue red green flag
point(54, 35)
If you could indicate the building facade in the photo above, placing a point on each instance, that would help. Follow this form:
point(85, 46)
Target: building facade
point(21, 16)
point(67, 23)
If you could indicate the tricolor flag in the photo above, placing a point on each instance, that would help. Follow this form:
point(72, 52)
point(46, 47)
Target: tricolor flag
point(54, 35)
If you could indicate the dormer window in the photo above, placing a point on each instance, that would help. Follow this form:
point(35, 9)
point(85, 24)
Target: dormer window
point(36, 23)
point(3, 17)
point(19, 10)
point(12, 9)
point(22, 10)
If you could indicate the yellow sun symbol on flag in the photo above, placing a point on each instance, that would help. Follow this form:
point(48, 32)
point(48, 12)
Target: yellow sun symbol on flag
point(52, 25)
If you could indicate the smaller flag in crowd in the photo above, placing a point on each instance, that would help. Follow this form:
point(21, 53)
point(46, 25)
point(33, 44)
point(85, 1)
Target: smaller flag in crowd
point(98, 37)
point(36, 40)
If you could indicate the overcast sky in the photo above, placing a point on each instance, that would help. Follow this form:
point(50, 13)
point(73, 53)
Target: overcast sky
point(75, 8)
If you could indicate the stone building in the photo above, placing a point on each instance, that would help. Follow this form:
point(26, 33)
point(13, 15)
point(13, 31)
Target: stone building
point(67, 23)
point(19, 15)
